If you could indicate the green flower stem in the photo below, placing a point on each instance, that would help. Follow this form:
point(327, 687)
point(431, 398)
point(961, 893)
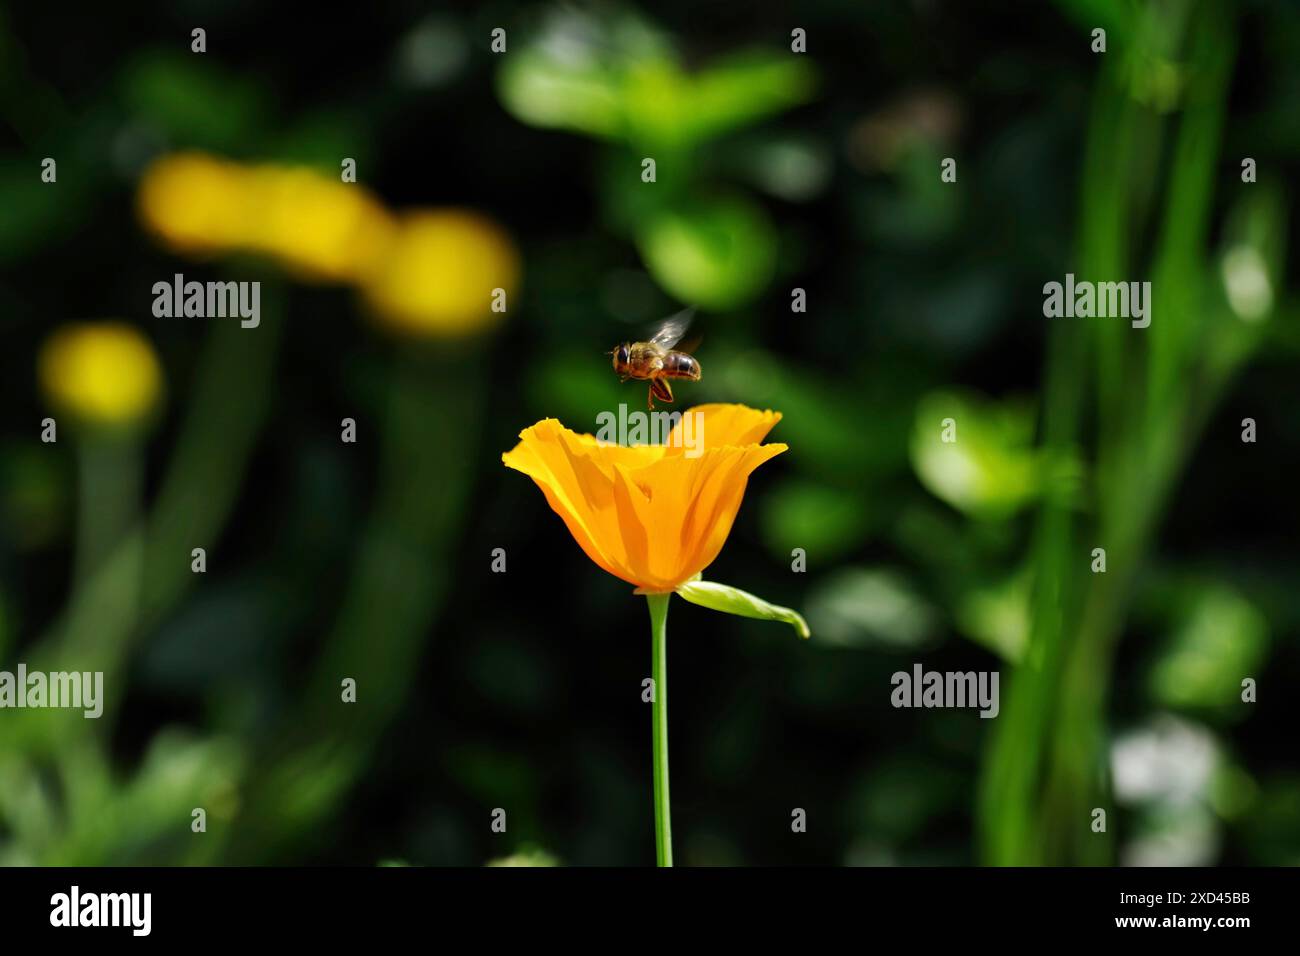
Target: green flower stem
point(108, 549)
point(108, 498)
point(659, 721)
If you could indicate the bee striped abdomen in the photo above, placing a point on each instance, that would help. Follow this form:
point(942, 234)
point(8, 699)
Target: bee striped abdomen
point(681, 365)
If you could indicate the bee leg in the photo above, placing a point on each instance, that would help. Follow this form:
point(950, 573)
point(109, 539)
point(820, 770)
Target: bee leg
point(660, 389)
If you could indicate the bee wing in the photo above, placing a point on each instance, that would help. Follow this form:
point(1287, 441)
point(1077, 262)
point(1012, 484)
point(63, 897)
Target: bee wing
point(690, 345)
point(672, 329)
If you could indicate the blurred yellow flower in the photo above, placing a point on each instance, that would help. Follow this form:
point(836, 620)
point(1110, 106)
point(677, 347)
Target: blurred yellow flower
point(423, 272)
point(316, 226)
point(319, 227)
point(649, 514)
point(193, 202)
point(103, 373)
point(440, 273)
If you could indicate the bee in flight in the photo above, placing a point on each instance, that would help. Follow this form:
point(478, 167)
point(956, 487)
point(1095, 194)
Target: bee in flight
point(656, 361)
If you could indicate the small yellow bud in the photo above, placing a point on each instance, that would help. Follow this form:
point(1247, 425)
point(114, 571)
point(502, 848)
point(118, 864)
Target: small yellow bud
point(103, 373)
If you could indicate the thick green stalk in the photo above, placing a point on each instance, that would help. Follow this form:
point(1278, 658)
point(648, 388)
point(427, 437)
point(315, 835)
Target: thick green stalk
point(1047, 767)
point(659, 721)
point(400, 577)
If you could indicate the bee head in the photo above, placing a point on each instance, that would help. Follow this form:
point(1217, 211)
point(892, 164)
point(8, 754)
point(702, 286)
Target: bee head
point(620, 357)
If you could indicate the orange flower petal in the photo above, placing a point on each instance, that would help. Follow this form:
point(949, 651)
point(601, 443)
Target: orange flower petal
point(726, 425)
point(652, 515)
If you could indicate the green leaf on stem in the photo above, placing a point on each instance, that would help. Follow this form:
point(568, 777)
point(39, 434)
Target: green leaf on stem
point(719, 597)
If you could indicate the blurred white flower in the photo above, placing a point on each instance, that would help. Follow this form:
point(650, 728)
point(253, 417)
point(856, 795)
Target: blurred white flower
point(1246, 283)
point(1169, 761)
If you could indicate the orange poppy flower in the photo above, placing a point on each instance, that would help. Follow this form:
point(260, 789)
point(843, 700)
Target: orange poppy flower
point(649, 514)
point(656, 516)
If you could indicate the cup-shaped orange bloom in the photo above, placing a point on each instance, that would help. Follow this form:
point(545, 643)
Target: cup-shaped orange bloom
point(653, 515)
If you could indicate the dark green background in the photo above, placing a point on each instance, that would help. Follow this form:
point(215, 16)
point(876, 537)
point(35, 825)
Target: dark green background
point(522, 690)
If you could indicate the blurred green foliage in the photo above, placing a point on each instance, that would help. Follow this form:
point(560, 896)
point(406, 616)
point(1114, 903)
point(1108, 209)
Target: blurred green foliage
point(620, 79)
